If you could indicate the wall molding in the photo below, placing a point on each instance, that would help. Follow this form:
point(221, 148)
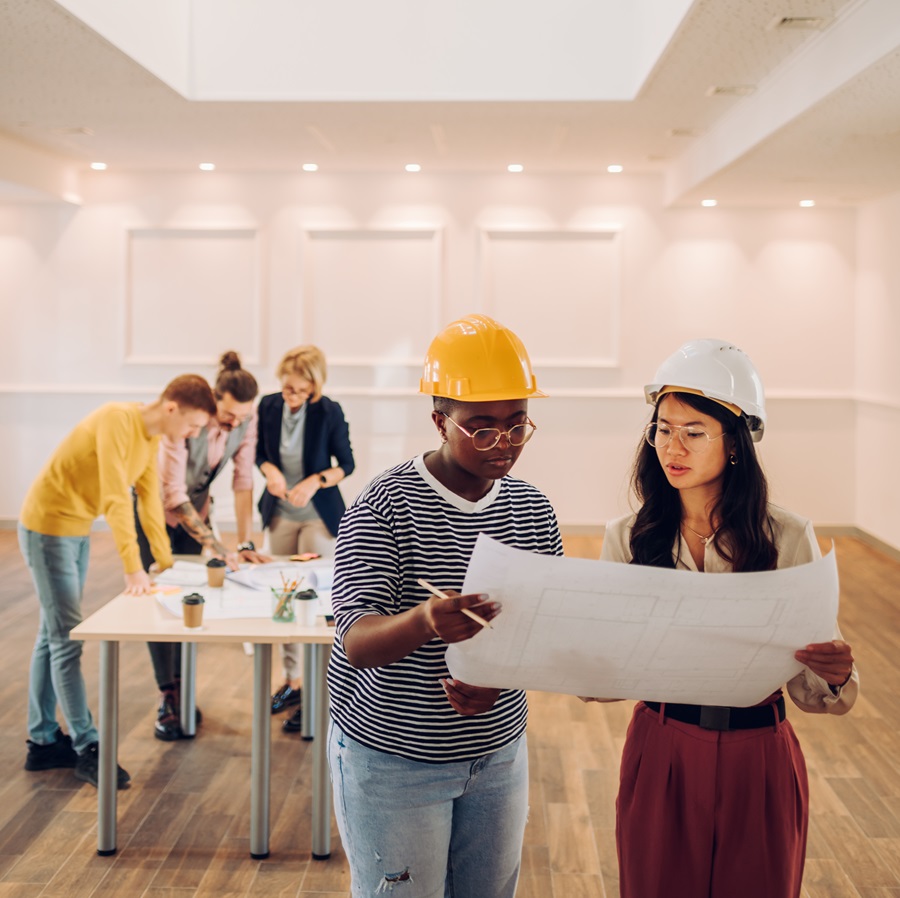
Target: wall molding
point(611, 393)
point(826, 531)
point(134, 233)
point(432, 233)
point(490, 236)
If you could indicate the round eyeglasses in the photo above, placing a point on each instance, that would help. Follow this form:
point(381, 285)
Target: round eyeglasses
point(488, 437)
point(693, 438)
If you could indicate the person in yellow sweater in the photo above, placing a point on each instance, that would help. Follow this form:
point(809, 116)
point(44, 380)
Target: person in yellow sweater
point(92, 473)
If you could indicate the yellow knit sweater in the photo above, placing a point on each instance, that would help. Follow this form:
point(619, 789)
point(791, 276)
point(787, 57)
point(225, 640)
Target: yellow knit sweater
point(91, 473)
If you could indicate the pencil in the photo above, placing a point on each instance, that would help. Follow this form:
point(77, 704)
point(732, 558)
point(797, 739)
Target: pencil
point(442, 595)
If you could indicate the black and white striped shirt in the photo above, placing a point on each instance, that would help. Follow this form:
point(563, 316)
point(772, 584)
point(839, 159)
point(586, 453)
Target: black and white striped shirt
point(405, 525)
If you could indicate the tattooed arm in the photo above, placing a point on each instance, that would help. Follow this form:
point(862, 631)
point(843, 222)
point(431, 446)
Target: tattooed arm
point(202, 533)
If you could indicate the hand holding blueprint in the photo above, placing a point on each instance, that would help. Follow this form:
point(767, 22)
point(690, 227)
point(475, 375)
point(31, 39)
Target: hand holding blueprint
point(597, 628)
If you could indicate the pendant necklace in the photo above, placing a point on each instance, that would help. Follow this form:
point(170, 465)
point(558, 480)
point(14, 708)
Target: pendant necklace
point(703, 539)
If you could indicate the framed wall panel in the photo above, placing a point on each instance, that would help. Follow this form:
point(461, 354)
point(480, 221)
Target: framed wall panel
point(192, 293)
point(559, 290)
point(373, 297)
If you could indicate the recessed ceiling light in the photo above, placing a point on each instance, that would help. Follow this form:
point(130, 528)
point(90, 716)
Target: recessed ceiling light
point(207, 166)
point(98, 166)
point(615, 169)
point(709, 203)
point(413, 166)
point(310, 166)
point(807, 203)
point(515, 167)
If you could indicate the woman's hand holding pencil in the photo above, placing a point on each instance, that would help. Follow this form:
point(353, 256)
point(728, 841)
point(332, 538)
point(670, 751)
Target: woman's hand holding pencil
point(454, 617)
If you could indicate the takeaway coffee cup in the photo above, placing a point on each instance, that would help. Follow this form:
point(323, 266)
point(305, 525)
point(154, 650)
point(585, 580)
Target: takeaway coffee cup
point(215, 572)
point(192, 606)
point(306, 603)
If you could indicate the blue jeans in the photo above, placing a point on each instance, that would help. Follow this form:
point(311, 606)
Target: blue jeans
point(416, 830)
point(58, 567)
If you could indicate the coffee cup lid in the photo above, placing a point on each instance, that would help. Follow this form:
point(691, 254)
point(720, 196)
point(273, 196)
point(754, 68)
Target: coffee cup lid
point(193, 599)
point(215, 562)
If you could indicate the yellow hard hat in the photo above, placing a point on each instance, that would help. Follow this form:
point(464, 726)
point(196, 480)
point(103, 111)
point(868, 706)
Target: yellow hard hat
point(477, 359)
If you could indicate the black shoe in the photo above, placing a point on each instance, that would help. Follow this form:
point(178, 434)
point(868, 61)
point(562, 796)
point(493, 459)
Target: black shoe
point(285, 697)
point(294, 723)
point(87, 768)
point(47, 757)
point(168, 724)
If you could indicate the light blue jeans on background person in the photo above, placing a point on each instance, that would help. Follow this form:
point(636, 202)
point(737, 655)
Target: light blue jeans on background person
point(58, 567)
point(417, 830)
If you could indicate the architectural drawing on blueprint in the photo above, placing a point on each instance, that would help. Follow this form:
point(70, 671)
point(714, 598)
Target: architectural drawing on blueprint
point(622, 631)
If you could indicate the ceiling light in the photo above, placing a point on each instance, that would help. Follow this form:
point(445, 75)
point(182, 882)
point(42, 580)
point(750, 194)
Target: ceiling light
point(515, 167)
point(207, 166)
point(413, 166)
point(730, 90)
point(807, 204)
point(615, 169)
point(812, 23)
point(709, 203)
point(98, 166)
point(310, 166)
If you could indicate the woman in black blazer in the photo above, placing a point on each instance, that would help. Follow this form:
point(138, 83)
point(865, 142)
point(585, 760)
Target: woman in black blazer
point(303, 451)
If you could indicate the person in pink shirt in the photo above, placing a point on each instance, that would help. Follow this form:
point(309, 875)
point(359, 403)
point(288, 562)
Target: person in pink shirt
point(187, 469)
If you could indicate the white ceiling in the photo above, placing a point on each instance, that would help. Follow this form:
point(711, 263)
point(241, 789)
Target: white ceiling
point(822, 122)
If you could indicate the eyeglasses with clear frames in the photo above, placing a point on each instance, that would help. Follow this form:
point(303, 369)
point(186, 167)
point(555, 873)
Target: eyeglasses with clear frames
point(694, 439)
point(486, 438)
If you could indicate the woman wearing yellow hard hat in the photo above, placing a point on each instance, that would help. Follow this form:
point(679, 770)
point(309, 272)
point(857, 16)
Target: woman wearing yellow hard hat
point(430, 774)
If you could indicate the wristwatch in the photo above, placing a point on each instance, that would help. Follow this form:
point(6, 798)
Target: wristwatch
point(248, 546)
point(323, 480)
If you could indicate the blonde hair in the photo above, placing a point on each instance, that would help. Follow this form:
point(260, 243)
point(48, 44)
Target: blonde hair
point(307, 362)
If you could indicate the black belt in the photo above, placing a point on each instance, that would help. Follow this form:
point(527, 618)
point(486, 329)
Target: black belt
point(713, 717)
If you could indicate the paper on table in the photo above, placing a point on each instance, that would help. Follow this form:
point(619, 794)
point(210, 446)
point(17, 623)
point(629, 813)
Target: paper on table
point(264, 576)
point(608, 630)
point(231, 602)
point(183, 573)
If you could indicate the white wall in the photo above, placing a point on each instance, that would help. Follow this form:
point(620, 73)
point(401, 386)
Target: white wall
point(878, 369)
point(603, 284)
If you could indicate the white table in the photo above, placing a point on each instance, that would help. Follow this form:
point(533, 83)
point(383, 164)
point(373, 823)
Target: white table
point(142, 619)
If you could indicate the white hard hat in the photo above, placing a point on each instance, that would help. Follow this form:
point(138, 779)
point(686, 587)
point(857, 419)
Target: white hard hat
point(719, 371)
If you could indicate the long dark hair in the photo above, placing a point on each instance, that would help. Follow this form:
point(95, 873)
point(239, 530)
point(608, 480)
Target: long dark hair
point(744, 536)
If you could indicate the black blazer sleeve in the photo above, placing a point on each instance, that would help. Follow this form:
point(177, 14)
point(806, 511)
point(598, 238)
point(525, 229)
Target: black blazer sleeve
point(326, 443)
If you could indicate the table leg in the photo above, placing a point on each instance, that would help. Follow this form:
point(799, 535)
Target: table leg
point(109, 747)
point(188, 689)
point(321, 782)
point(308, 709)
point(260, 752)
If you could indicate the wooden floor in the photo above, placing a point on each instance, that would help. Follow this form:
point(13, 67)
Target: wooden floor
point(184, 830)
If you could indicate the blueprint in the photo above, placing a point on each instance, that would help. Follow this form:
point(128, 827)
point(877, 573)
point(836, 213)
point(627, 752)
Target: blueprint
point(597, 628)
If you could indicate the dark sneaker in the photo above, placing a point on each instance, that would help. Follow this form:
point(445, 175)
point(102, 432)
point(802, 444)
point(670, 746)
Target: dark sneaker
point(294, 723)
point(87, 768)
point(48, 757)
point(168, 724)
point(285, 698)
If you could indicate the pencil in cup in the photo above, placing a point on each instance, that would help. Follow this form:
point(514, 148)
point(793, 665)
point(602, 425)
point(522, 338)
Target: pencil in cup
point(442, 595)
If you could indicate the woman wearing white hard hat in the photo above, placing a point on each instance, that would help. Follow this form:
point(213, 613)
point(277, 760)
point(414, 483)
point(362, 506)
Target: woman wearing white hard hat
point(715, 802)
point(431, 774)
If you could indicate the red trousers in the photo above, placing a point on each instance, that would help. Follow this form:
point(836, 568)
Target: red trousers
point(707, 814)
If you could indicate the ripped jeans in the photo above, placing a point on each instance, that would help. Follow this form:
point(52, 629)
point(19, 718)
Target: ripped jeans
point(416, 830)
